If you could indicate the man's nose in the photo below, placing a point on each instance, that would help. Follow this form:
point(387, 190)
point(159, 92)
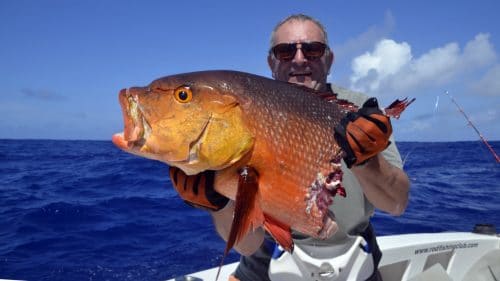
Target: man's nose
point(299, 57)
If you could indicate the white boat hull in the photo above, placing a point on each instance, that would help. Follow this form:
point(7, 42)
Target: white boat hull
point(457, 256)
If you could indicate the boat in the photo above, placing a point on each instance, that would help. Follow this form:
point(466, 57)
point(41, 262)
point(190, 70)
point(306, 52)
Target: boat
point(445, 256)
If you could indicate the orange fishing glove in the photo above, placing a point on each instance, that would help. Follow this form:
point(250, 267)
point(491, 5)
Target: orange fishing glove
point(363, 134)
point(198, 190)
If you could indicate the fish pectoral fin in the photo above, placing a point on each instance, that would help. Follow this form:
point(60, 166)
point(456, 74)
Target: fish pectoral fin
point(247, 213)
point(279, 231)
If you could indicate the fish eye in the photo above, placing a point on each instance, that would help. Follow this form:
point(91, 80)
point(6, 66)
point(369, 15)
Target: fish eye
point(183, 94)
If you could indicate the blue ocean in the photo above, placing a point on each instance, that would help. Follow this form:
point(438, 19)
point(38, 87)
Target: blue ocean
point(84, 210)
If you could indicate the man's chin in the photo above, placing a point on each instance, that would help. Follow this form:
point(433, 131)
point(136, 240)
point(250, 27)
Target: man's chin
point(303, 81)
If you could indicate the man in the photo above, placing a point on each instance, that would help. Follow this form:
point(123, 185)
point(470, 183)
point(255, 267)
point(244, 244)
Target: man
point(300, 54)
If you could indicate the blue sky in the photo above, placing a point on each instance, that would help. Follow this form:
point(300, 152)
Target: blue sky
point(63, 62)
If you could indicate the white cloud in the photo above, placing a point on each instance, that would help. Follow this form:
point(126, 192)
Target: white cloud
point(489, 85)
point(416, 125)
point(366, 39)
point(479, 51)
point(485, 116)
point(387, 59)
point(391, 67)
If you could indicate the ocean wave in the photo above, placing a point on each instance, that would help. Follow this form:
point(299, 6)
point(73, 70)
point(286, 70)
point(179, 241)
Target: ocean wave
point(84, 210)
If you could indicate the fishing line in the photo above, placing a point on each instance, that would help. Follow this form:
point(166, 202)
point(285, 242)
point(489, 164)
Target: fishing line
point(436, 105)
point(406, 156)
point(497, 158)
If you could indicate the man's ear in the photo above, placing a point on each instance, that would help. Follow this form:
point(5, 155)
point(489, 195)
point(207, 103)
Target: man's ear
point(330, 58)
point(272, 63)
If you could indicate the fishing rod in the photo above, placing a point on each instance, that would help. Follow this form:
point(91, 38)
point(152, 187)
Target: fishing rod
point(475, 129)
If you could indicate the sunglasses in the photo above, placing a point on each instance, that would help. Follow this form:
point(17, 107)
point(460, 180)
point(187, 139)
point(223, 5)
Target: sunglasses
point(287, 51)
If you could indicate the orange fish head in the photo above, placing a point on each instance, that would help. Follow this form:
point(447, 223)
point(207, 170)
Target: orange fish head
point(193, 126)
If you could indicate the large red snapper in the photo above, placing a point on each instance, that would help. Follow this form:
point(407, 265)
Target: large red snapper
point(271, 143)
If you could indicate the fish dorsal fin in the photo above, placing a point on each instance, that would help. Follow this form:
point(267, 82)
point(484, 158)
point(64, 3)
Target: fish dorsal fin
point(331, 97)
point(342, 103)
point(394, 110)
point(247, 213)
point(345, 105)
point(279, 231)
point(397, 107)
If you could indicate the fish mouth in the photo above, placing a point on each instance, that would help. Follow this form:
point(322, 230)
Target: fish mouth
point(136, 128)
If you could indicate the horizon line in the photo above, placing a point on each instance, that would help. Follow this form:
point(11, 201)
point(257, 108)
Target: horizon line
point(106, 140)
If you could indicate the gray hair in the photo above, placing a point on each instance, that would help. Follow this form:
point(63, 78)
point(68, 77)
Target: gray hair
point(302, 18)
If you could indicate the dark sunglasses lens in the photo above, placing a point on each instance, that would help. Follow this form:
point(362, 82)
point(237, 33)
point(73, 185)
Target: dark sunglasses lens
point(313, 50)
point(284, 51)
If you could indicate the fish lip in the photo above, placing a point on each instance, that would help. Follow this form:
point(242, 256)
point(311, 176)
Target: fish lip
point(136, 127)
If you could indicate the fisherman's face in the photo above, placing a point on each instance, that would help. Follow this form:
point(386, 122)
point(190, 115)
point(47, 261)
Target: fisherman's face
point(300, 70)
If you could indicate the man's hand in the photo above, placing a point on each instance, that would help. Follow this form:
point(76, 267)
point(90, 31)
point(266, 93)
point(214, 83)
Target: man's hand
point(198, 190)
point(363, 134)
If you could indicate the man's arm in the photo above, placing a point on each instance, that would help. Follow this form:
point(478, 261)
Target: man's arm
point(223, 220)
point(365, 137)
point(385, 185)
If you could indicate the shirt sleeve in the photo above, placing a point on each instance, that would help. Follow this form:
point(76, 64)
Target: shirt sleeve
point(391, 154)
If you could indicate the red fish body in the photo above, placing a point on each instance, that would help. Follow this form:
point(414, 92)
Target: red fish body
point(230, 121)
